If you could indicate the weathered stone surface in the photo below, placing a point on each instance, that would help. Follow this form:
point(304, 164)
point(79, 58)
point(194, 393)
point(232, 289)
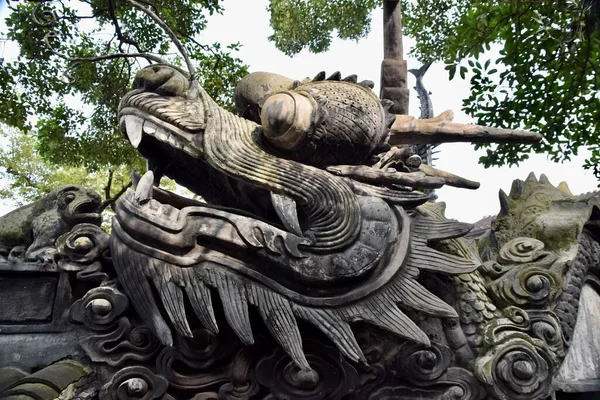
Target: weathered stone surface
point(27, 298)
point(34, 351)
point(301, 277)
point(36, 226)
point(580, 371)
point(48, 383)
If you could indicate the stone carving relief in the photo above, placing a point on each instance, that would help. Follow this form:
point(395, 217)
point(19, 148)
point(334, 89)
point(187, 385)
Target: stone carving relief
point(29, 233)
point(315, 269)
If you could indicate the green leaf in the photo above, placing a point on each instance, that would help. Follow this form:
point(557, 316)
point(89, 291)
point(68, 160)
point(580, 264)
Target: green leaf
point(451, 71)
point(85, 134)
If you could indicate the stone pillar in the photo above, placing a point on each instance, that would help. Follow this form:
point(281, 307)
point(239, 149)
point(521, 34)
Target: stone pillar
point(393, 67)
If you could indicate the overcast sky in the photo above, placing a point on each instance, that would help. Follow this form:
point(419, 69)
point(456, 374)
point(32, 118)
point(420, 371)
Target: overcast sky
point(248, 22)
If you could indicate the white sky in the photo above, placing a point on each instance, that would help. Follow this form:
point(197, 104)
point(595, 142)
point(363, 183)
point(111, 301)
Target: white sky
point(247, 22)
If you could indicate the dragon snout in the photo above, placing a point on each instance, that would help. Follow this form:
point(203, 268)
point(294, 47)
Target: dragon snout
point(161, 79)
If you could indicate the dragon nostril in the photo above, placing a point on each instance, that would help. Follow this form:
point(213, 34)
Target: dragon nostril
point(154, 77)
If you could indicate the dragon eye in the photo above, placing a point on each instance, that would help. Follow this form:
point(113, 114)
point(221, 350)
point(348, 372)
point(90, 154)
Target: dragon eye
point(69, 197)
point(287, 118)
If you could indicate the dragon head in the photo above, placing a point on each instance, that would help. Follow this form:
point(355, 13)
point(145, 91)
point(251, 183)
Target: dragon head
point(536, 208)
point(77, 204)
point(266, 170)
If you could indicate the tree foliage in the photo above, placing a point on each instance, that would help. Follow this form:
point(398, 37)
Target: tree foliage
point(25, 175)
point(532, 64)
point(62, 91)
point(310, 23)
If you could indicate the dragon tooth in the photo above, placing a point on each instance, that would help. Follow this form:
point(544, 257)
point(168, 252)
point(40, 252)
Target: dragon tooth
point(161, 134)
point(143, 190)
point(172, 139)
point(133, 127)
point(149, 128)
point(285, 207)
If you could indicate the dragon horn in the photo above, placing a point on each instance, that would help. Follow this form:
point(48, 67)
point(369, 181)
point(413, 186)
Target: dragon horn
point(441, 129)
point(170, 33)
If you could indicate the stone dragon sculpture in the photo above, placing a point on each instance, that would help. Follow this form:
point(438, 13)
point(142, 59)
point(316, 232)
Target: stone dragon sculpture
point(316, 267)
point(29, 232)
point(342, 251)
point(311, 240)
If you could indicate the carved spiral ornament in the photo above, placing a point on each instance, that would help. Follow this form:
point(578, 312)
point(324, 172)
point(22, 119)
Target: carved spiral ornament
point(515, 365)
point(195, 363)
point(83, 244)
point(135, 383)
point(515, 370)
point(549, 331)
point(100, 308)
point(133, 344)
point(419, 364)
point(520, 250)
point(535, 285)
point(206, 347)
point(242, 385)
point(331, 377)
point(531, 285)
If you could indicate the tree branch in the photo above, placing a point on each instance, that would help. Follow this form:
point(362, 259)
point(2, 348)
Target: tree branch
point(148, 56)
point(122, 38)
point(107, 188)
point(170, 34)
point(18, 174)
point(111, 201)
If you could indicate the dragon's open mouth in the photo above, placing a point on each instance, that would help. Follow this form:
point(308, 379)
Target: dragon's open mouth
point(179, 130)
point(158, 140)
point(177, 126)
point(86, 211)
